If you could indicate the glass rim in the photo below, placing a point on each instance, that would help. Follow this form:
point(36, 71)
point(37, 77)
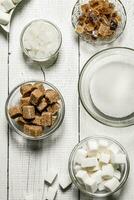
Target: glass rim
point(105, 121)
point(71, 170)
point(26, 52)
point(56, 126)
point(107, 42)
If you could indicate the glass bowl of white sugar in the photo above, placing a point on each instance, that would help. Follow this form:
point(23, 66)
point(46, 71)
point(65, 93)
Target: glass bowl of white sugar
point(99, 166)
point(41, 41)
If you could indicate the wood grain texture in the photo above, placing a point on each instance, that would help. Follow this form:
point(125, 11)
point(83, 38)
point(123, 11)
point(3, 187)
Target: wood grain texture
point(28, 161)
point(24, 164)
point(3, 124)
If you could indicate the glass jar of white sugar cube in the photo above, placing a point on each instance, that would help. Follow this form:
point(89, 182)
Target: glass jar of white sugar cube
point(99, 166)
point(41, 41)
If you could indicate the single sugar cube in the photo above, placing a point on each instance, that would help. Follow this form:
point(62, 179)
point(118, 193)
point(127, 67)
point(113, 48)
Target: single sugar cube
point(90, 184)
point(4, 18)
point(103, 144)
point(50, 177)
point(81, 176)
point(114, 149)
point(107, 171)
point(101, 186)
point(89, 162)
point(118, 158)
point(65, 181)
point(112, 184)
point(8, 5)
point(104, 158)
point(80, 155)
point(92, 147)
point(117, 174)
point(51, 193)
point(97, 176)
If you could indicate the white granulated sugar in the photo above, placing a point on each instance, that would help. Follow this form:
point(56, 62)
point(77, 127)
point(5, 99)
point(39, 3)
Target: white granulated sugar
point(41, 40)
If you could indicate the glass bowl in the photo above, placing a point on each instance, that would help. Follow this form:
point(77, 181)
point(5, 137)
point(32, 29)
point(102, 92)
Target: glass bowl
point(76, 13)
point(50, 60)
point(13, 99)
point(106, 86)
point(124, 168)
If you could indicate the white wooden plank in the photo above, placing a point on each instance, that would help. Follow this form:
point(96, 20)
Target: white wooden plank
point(3, 124)
point(89, 126)
point(29, 162)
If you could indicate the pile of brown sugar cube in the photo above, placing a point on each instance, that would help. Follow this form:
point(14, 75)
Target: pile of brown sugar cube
point(37, 109)
point(98, 19)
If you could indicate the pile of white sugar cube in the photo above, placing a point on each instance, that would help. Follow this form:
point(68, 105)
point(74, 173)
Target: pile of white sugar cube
point(5, 7)
point(98, 164)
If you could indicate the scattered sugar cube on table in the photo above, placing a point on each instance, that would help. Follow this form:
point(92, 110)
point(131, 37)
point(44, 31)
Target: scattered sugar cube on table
point(50, 176)
point(51, 193)
point(65, 181)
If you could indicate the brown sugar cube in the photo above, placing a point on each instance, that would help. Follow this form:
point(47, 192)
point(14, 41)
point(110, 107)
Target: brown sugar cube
point(104, 30)
point(47, 119)
point(28, 112)
point(42, 105)
point(21, 121)
point(26, 90)
point(36, 96)
point(52, 96)
point(15, 112)
point(25, 101)
point(54, 108)
point(79, 29)
point(89, 27)
point(37, 121)
point(33, 130)
point(85, 8)
point(54, 119)
point(39, 86)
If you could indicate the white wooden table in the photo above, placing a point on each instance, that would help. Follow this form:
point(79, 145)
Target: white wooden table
point(23, 165)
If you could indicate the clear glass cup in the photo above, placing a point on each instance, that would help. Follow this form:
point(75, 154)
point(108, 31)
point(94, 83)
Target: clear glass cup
point(47, 61)
point(76, 13)
point(124, 168)
point(14, 98)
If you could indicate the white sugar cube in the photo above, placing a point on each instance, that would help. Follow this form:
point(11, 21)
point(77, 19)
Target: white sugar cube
point(89, 162)
point(92, 147)
point(96, 168)
point(81, 176)
point(103, 144)
point(80, 155)
point(51, 193)
point(104, 158)
point(117, 174)
point(4, 18)
point(97, 176)
point(112, 184)
point(114, 149)
point(118, 158)
point(65, 181)
point(107, 171)
point(50, 177)
point(8, 5)
point(16, 1)
point(90, 184)
point(101, 186)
